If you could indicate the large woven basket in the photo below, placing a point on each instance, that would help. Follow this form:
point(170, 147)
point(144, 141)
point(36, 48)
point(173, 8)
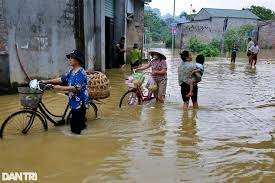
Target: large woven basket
point(98, 85)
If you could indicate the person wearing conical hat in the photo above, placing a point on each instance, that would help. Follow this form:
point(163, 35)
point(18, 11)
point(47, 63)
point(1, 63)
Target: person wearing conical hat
point(159, 73)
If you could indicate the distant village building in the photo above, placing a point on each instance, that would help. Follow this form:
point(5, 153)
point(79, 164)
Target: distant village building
point(211, 24)
point(266, 34)
point(45, 31)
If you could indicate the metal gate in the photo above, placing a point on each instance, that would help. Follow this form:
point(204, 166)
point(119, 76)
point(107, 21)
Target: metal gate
point(109, 8)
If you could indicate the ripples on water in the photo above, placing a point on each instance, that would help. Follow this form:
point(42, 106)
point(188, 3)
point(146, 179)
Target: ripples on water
point(229, 139)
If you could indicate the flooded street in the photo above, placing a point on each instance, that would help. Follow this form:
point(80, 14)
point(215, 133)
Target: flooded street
point(229, 139)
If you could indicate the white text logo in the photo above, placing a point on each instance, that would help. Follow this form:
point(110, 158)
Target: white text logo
point(19, 176)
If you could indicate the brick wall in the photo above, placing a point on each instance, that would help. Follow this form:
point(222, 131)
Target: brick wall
point(267, 35)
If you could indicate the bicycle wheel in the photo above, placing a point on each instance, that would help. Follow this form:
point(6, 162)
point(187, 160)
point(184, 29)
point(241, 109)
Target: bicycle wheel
point(91, 113)
point(21, 123)
point(129, 98)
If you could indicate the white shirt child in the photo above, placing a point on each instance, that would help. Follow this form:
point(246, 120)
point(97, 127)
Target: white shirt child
point(254, 49)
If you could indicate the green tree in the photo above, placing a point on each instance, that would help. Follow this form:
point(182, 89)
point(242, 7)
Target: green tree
point(195, 45)
point(188, 16)
point(262, 12)
point(154, 25)
point(208, 50)
point(237, 37)
point(157, 28)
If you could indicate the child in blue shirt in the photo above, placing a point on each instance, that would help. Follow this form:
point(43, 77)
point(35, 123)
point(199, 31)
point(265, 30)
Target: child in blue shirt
point(76, 81)
point(199, 68)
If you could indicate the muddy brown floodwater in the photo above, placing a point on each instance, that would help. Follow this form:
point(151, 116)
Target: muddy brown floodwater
point(229, 139)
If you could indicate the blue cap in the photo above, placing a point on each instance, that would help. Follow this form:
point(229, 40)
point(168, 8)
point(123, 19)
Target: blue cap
point(77, 55)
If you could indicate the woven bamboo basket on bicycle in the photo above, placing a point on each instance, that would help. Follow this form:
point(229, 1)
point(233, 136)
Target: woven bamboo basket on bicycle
point(29, 97)
point(98, 85)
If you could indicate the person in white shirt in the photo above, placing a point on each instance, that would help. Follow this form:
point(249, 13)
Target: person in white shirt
point(249, 54)
point(254, 51)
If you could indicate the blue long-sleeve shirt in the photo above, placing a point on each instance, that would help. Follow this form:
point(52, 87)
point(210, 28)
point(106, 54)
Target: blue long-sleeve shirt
point(79, 80)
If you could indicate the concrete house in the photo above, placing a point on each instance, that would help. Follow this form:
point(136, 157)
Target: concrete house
point(211, 24)
point(44, 31)
point(266, 34)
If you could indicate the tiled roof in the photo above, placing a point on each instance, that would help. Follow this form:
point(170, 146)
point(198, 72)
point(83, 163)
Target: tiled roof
point(231, 13)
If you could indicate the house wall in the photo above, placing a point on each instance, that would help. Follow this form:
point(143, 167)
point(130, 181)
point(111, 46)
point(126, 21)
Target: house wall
point(4, 58)
point(266, 37)
point(100, 35)
point(202, 15)
point(119, 20)
point(89, 34)
point(207, 30)
point(135, 28)
point(44, 33)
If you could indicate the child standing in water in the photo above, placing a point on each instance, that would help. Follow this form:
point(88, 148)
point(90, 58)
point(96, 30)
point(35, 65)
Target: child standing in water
point(233, 54)
point(254, 50)
point(199, 69)
point(249, 54)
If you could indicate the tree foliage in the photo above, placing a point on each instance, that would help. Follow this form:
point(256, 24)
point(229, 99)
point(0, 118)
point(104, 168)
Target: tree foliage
point(157, 28)
point(262, 12)
point(236, 37)
point(209, 50)
point(188, 16)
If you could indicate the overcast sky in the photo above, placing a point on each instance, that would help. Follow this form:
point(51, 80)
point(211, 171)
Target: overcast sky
point(166, 6)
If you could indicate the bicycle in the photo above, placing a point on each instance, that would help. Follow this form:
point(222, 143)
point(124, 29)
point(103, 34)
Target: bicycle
point(34, 115)
point(136, 95)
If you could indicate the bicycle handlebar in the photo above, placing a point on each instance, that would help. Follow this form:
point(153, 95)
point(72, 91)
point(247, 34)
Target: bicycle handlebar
point(148, 73)
point(43, 86)
point(38, 85)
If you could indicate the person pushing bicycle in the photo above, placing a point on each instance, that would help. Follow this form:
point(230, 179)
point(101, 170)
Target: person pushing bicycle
point(159, 73)
point(76, 81)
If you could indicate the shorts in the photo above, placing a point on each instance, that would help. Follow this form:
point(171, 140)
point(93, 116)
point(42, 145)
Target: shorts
point(254, 56)
point(161, 92)
point(185, 89)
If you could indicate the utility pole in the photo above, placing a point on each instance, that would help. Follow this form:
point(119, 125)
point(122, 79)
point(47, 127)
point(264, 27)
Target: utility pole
point(173, 35)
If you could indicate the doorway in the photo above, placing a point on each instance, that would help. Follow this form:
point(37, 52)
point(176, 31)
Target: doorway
point(79, 26)
point(109, 43)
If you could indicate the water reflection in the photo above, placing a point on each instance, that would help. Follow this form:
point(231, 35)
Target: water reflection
point(188, 131)
point(156, 121)
point(229, 139)
point(232, 68)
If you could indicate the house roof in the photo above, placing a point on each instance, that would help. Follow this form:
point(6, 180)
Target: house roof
point(230, 13)
point(263, 23)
